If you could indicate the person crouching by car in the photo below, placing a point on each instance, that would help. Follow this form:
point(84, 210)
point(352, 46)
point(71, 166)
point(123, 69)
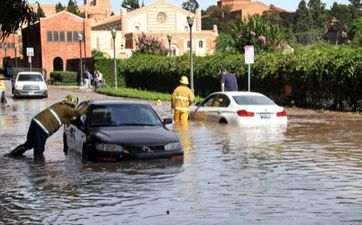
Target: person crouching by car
point(182, 98)
point(46, 123)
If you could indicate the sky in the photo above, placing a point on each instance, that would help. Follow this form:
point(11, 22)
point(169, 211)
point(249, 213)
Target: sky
point(289, 5)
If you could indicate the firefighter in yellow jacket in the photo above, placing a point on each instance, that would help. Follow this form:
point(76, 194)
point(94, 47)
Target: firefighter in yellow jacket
point(46, 123)
point(182, 98)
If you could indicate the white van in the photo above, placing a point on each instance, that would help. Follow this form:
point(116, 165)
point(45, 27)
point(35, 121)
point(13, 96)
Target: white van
point(30, 84)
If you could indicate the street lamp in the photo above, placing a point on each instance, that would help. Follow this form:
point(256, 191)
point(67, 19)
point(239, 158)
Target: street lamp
point(16, 58)
point(169, 38)
point(190, 21)
point(80, 38)
point(114, 33)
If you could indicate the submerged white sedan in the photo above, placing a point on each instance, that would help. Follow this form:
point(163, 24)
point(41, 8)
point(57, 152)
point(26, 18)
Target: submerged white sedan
point(242, 108)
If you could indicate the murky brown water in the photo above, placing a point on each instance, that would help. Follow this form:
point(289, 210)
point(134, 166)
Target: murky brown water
point(307, 173)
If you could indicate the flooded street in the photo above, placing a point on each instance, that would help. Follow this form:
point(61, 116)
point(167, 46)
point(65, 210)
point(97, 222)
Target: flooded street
point(309, 172)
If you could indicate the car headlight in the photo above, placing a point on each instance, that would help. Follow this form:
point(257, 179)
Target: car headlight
point(172, 146)
point(18, 87)
point(109, 147)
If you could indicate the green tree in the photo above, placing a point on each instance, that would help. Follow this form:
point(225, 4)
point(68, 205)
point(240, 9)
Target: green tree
point(357, 32)
point(130, 5)
point(13, 15)
point(225, 43)
point(39, 12)
point(215, 15)
point(272, 17)
point(190, 5)
point(303, 18)
point(97, 55)
point(59, 7)
point(73, 7)
point(356, 3)
point(319, 14)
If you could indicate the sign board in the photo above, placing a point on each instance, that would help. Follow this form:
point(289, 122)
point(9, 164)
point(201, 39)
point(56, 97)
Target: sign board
point(29, 51)
point(249, 54)
point(29, 59)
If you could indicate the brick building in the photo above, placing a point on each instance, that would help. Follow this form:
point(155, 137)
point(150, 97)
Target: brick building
point(10, 49)
point(246, 8)
point(55, 41)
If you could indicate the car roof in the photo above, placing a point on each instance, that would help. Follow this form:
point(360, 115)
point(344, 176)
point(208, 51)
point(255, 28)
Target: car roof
point(234, 93)
point(116, 102)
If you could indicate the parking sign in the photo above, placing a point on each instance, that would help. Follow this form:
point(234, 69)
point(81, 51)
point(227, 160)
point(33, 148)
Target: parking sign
point(249, 54)
point(29, 51)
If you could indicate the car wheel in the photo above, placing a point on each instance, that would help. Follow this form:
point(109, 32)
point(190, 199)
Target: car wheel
point(65, 144)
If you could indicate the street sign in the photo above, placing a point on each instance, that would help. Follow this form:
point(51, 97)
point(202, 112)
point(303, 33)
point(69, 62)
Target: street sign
point(249, 54)
point(29, 51)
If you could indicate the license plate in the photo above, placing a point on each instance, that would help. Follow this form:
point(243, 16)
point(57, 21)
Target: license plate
point(31, 92)
point(264, 116)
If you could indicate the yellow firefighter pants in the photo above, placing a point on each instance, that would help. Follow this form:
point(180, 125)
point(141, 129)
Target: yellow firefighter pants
point(181, 116)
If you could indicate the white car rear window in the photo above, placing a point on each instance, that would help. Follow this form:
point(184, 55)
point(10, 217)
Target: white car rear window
point(253, 100)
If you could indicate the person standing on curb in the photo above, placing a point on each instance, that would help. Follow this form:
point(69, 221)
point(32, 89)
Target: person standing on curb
point(182, 98)
point(228, 81)
point(46, 123)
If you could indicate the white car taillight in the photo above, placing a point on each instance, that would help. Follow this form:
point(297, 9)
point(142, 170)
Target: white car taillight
point(282, 113)
point(244, 113)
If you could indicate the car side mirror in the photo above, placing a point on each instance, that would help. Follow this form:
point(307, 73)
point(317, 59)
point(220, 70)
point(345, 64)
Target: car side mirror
point(167, 121)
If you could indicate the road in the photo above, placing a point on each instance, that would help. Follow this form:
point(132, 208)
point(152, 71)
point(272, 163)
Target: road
point(309, 172)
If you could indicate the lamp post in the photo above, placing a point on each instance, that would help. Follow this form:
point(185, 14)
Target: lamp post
point(190, 21)
point(114, 33)
point(80, 38)
point(16, 58)
point(169, 38)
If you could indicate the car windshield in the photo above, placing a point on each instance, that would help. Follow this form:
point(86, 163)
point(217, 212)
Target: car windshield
point(253, 100)
point(124, 115)
point(30, 77)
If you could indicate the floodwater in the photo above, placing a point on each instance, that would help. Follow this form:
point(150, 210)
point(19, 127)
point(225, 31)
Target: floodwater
point(309, 172)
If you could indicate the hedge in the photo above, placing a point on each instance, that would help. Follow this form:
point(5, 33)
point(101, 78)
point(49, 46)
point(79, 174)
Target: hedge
point(63, 76)
point(324, 78)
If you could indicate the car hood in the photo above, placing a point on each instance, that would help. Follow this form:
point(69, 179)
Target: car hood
point(133, 135)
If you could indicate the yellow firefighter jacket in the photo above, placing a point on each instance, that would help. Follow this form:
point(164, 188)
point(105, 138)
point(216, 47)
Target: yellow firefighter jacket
point(182, 98)
point(52, 118)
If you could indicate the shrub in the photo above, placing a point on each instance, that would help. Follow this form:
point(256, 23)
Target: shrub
point(321, 77)
point(63, 76)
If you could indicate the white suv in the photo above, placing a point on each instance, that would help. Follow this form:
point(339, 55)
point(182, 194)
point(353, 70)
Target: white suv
point(30, 84)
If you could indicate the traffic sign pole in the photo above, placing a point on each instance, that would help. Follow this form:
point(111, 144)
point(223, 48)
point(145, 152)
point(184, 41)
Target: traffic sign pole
point(249, 59)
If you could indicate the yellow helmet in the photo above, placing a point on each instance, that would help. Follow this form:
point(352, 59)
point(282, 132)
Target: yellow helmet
point(71, 100)
point(184, 80)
